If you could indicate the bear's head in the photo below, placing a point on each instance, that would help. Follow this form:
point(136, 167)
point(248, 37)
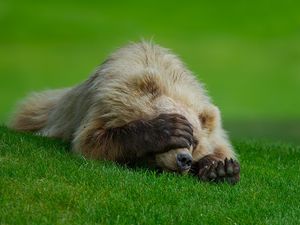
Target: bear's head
point(204, 123)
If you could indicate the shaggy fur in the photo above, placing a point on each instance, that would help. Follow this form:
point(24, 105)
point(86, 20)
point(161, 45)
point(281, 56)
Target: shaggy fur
point(138, 82)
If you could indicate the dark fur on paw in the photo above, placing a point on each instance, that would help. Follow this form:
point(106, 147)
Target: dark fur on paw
point(161, 134)
point(211, 169)
point(169, 131)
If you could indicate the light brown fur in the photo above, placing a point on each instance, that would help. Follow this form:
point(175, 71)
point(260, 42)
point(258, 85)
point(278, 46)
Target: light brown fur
point(139, 81)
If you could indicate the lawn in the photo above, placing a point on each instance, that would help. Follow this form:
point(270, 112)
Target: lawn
point(42, 183)
point(247, 54)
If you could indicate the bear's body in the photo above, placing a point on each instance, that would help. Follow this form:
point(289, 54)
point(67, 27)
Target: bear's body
point(140, 104)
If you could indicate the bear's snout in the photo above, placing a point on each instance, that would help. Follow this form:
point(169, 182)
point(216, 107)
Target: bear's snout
point(184, 161)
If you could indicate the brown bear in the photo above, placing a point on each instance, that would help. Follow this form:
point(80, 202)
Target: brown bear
point(141, 104)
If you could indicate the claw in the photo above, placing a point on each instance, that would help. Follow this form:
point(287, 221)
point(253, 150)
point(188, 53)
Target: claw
point(212, 173)
point(229, 167)
point(236, 167)
point(203, 173)
point(220, 169)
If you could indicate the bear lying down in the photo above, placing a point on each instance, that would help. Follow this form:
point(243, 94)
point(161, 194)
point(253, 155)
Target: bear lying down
point(141, 104)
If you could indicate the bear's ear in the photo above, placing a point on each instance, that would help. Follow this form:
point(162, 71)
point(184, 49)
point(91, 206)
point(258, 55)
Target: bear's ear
point(210, 117)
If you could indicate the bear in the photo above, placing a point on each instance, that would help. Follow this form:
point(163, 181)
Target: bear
point(140, 105)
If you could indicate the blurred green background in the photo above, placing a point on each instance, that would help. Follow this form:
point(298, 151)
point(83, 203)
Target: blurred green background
point(246, 52)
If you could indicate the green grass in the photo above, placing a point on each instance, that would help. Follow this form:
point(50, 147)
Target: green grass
point(42, 183)
point(247, 53)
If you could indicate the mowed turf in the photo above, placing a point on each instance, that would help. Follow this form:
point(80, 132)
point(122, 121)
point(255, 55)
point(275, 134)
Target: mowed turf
point(247, 53)
point(42, 183)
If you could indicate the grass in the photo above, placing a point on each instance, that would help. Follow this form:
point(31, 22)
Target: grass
point(247, 53)
point(41, 183)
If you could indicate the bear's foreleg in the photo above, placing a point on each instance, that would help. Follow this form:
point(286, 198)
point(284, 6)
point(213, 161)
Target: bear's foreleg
point(136, 139)
point(219, 166)
point(210, 168)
